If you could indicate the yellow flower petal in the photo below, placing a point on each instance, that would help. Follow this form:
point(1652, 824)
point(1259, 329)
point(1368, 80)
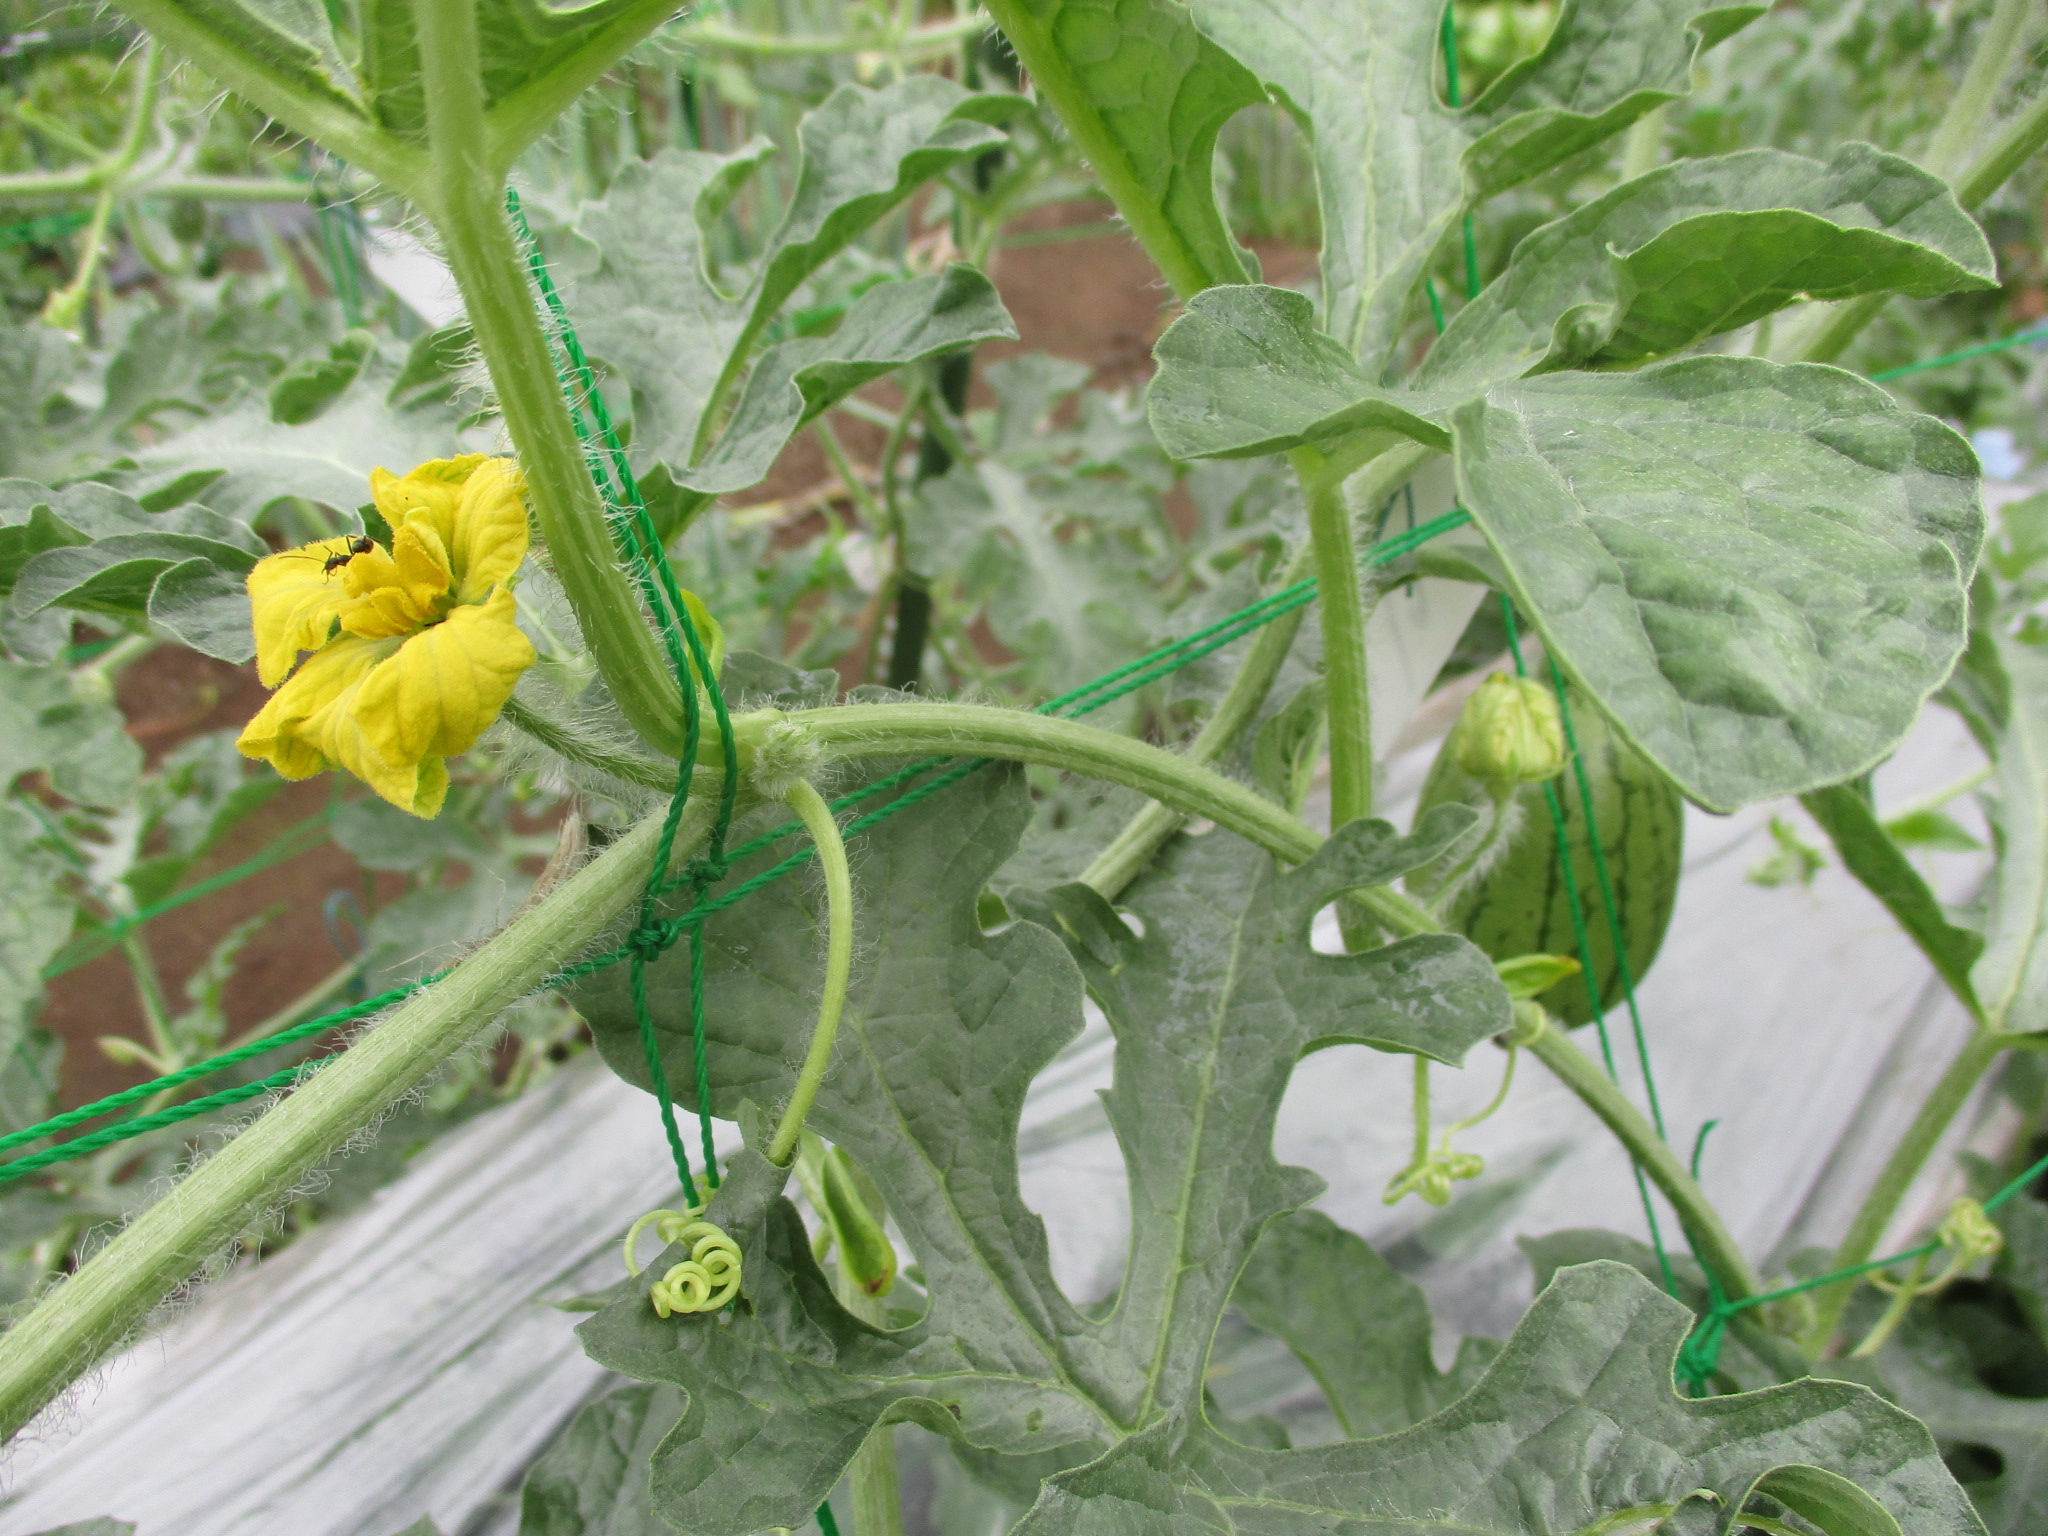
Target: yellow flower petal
point(490, 529)
point(432, 489)
point(434, 698)
point(281, 732)
point(295, 603)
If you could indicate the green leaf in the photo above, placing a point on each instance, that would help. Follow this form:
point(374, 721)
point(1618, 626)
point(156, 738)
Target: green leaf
point(201, 605)
point(1931, 1378)
point(1395, 166)
point(105, 1525)
point(306, 389)
point(1756, 570)
point(1870, 854)
point(647, 305)
point(115, 576)
point(797, 381)
point(593, 1480)
point(943, 1032)
point(1245, 372)
point(247, 461)
point(36, 915)
point(2011, 976)
point(1361, 1329)
point(1704, 246)
point(1573, 1424)
point(1144, 94)
point(1061, 591)
point(862, 152)
point(84, 747)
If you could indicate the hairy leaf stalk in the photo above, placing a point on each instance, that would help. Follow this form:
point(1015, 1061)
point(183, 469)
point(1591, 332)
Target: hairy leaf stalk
point(91, 1313)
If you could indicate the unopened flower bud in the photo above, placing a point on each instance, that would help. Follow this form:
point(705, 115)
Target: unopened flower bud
point(1511, 733)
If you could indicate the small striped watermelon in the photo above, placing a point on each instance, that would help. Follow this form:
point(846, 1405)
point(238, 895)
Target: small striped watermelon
point(1517, 904)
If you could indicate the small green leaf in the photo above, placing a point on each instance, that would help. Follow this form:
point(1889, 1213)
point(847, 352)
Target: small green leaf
point(797, 381)
point(1145, 94)
point(115, 577)
point(1245, 372)
point(105, 1525)
point(1705, 246)
point(1756, 570)
point(593, 1480)
point(862, 153)
point(199, 604)
point(1361, 1329)
point(85, 748)
point(305, 389)
point(1934, 830)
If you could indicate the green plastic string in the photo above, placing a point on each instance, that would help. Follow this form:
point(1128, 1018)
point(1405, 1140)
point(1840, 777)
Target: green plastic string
point(2017, 339)
point(1583, 941)
point(1456, 99)
point(630, 519)
point(1700, 1356)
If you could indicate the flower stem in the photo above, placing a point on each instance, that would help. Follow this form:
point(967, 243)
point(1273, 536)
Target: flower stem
point(816, 816)
point(74, 1326)
point(1866, 1231)
point(1711, 1240)
point(461, 194)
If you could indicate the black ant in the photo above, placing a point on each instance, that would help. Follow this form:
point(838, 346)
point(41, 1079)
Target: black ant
point(361, 544)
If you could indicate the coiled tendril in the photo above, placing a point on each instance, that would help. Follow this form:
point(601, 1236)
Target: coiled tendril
point(705, 1281)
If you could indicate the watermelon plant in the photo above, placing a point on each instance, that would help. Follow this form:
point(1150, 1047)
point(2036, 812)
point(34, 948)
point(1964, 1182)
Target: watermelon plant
point(1728, 570)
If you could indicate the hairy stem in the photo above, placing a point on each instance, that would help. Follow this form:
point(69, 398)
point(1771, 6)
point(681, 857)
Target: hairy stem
point(1145, 833)
point(1710, 1237)
point(462, 199)
point(79, 1322)
point(816, 816)
point(1341, 598)
point(1866, 1231)
point(974, 730)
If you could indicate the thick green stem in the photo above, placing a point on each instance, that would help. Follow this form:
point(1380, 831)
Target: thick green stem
point(1340, 594)
point(816, 816)
point(1711, 1239)
point(1867, 1230)
point(1144, 834)
point(974, 730)
point(107, 1300)
point(463, 200)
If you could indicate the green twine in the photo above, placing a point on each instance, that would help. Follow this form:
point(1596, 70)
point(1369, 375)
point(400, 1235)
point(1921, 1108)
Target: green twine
point(1700, 1356)
point(1584, 942)
point(2017, 339)
point(656, 577)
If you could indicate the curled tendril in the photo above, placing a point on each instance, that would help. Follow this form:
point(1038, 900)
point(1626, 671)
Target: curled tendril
point(1969, 1234)
point(704, 1282)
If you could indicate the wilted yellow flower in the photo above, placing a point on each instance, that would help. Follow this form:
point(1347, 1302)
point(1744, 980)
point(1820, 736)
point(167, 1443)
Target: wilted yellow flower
point(414, 648)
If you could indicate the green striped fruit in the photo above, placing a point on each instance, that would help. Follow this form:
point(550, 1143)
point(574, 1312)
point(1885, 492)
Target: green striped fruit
point(1517, 903)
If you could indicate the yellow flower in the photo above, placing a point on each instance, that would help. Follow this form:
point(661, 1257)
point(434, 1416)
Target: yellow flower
point(414, 649)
